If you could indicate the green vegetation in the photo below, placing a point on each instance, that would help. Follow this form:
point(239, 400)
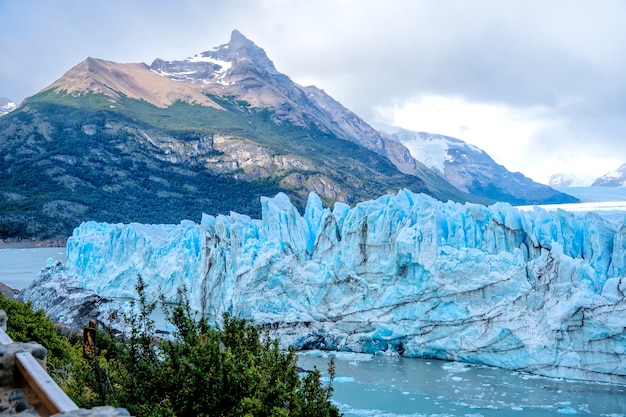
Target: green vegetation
point(106, 175)
point(26, 324)
point(199, 370)
point(68, 159)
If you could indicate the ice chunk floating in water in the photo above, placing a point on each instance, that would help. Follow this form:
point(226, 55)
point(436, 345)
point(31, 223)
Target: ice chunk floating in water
point(535, 291)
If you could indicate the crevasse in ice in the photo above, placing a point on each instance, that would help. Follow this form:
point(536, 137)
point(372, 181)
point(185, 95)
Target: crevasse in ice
point(535, 291)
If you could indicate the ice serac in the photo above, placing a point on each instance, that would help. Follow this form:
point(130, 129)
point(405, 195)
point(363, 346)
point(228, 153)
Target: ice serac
point(405, 274)
point(108, 258)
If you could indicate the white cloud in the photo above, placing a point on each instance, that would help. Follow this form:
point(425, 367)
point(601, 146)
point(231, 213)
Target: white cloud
point(511, 136)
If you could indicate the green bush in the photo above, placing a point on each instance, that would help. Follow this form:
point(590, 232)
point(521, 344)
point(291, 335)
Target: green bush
point(25, 325)
point(201, 369)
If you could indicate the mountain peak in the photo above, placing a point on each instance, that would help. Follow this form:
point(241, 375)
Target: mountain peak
point(237, 37)
point(240, 49)
point(219, 66)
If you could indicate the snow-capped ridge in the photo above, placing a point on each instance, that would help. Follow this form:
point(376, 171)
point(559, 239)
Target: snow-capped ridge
point(213, 65)
point(616, 178)
point(472, 170)
point(434, 150)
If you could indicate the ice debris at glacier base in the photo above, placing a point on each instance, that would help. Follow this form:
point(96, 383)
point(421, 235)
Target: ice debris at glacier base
point(534, 291)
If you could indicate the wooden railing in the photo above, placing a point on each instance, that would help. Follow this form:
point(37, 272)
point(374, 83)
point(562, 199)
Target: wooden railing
point(40, 389)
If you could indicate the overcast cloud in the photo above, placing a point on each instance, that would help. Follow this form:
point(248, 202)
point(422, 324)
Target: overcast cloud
point(539, 85)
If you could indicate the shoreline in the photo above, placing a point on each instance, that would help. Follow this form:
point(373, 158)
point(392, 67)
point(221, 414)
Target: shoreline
point(33, 244)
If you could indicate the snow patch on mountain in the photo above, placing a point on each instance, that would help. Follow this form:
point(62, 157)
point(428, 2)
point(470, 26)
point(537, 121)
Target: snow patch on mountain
point(214, 72)
point(6, 106)
point(224, 65)
point(433, 150)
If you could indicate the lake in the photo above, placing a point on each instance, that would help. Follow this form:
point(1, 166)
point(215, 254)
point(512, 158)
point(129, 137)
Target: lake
point(20, 266)
point(391, 386)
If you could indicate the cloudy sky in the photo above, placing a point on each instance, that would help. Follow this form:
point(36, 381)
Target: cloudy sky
point(539, 85)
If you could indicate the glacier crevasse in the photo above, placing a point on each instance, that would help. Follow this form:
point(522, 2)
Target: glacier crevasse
point(535, 291)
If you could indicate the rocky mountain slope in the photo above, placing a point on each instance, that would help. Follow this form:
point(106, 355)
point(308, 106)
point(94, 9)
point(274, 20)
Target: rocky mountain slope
point(615, 178)
point(212, 133)
point(471, 170)
point(243, 70)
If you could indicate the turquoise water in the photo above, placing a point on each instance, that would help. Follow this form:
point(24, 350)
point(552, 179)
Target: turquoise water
point(386, 386)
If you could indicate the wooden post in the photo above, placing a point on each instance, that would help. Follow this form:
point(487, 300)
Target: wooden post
point(89, 340)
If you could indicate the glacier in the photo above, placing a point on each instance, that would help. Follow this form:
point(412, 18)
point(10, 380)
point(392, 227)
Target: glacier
point(530, 290)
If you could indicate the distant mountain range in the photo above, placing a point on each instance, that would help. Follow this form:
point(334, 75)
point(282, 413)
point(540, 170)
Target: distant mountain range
point(471, 170)
point(6, 106)
point(615, 178)
point(210, 133)
point(567, 180)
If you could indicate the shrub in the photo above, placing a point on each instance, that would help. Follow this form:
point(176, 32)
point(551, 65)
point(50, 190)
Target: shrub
point(26, 324)
point(201, 369)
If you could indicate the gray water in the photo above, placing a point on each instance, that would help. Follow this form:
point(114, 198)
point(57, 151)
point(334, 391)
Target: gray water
point(385, 386)
point(19, 267)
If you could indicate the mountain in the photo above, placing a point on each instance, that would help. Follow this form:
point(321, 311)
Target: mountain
point(615, 178)
point(6, 106)
point(211, 133)
point(570, 180)
point(241, 69)
point(562, 180)
point(535, 291)
point(472, 170)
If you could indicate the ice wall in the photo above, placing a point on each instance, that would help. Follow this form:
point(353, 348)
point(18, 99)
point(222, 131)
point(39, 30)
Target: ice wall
point(536, 291)
point(108, 257)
